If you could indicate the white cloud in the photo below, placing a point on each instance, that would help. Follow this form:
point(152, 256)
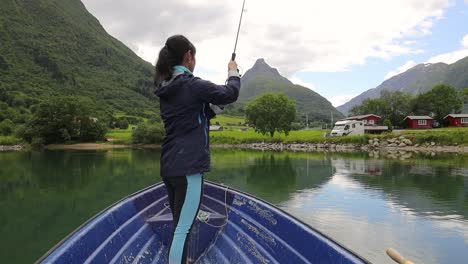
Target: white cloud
point(299, 81)
point(465, 40)
point(408, 65)
point(300, 35)
point(341, 99)
point(450, 57)
point(454, 56)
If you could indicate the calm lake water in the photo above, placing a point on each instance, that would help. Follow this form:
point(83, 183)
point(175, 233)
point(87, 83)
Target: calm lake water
point(418, 206)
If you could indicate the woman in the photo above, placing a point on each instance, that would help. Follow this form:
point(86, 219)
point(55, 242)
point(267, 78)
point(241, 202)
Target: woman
point(185, 109)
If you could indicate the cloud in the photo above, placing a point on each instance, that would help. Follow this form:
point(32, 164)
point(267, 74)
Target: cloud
point(408, 65)
point(299, 81)
point(300, 35)
point(341, 99)
point(465, 40)
point(454, 56)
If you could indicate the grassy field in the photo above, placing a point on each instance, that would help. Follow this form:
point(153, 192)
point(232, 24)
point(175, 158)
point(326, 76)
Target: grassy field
point(443, 136)
point(302, 136)
point(446, 136)
point(119, 115)
point(233, 135)
point(223, 120)
point(120, 136)
point(10, 140)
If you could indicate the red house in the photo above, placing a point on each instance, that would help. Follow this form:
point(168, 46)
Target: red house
point(419, 122)
point(457, 120)
point(368, 120)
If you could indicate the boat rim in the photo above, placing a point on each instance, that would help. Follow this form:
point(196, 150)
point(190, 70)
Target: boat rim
point(222, 185)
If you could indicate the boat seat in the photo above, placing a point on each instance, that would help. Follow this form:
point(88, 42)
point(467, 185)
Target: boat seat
point(203, 216)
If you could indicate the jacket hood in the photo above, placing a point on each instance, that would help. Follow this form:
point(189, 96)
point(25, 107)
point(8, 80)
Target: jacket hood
point(170, 88)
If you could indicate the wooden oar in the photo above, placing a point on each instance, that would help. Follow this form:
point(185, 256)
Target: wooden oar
point(397, 257)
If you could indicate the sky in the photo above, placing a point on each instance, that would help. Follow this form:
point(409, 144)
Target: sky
point(337, 48)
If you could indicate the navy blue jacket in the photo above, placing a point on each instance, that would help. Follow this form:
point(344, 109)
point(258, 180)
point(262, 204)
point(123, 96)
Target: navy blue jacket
point(185, 110)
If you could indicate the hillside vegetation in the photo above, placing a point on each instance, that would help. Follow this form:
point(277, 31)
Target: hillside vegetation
point(53, 48)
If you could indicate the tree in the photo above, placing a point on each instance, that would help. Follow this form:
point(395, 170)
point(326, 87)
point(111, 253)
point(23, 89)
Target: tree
point(441, 100)
point(397, 106)
point(369, 106)
point(464, 95)
point(393, 106)
point(388, 124)
point(271, 113)
point(6, 127)
point(62, 119)
point(148, 134)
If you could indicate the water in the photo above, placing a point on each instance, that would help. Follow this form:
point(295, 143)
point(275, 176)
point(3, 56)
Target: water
point(418, 206)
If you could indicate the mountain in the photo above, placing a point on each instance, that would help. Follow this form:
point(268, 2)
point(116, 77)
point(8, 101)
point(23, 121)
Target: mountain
point(57, 48)
point(262, 78)
point(418, 79)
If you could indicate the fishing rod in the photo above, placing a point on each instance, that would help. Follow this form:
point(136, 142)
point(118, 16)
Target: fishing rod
point(233, 57)
point(218, 109)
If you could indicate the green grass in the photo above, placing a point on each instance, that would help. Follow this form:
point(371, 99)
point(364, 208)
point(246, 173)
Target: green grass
point(142, 119)
point(120, 136)
point(445, 136)
point(10, 140)
point(225, 119)
point(302, 136)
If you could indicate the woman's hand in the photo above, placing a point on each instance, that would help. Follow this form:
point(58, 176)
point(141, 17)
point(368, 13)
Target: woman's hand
point(232, 66)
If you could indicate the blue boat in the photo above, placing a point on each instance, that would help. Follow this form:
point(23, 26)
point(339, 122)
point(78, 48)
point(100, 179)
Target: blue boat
point(231, 227)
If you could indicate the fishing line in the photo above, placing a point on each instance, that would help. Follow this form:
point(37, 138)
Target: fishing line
point(204, 216)
point(233, 57)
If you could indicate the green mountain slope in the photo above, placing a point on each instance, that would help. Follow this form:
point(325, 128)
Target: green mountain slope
point(261, 78)
point(57, 48)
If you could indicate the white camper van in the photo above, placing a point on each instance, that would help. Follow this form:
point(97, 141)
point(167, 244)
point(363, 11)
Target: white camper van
point(348, 128)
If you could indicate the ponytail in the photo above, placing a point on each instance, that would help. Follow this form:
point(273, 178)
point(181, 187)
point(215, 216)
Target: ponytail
point(171, 54)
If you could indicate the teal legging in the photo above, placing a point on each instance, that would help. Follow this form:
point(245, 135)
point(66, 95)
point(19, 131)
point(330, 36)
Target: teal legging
point(184, 197)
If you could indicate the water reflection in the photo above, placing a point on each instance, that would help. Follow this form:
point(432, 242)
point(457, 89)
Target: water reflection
point(271, 176)
point(46, 195)
point(269, 173)
point(425, 189)
point(373, 204)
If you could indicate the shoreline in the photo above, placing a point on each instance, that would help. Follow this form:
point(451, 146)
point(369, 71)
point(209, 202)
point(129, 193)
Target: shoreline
point(400, 144)
point(12, 148)
point(332, 147)
point(277, 147)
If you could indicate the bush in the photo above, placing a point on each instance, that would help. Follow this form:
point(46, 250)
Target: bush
point(6, 127)
point(123, 124)
point(9, 141)
point(62, 119)
point(92, 131)
point(148, 134)
point(389, 124)
point(296, 126)
point(37, 143)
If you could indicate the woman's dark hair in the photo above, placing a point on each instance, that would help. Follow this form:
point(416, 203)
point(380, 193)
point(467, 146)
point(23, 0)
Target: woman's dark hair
point(171, 54)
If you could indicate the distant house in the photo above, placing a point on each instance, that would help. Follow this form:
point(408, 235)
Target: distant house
point(368, 120)
point(457, 120)
point(419, 122)
point(216, 128)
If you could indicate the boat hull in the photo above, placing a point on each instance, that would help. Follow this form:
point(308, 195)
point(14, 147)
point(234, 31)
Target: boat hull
point(232, 227)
